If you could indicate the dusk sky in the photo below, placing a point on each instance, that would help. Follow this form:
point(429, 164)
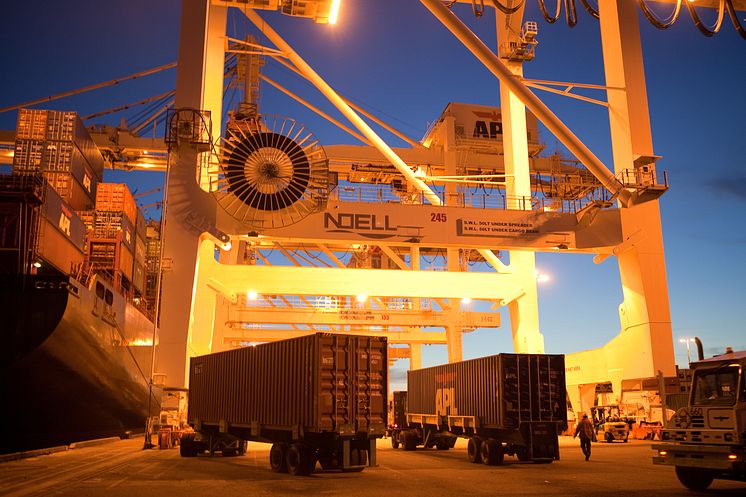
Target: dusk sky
point(396, 59)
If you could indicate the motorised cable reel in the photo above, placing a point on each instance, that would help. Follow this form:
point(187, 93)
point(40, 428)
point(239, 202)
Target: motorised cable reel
point(272, 173)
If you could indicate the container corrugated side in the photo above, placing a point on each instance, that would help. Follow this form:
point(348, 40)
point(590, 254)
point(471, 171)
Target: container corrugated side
point(501, 390)
point(320, 383)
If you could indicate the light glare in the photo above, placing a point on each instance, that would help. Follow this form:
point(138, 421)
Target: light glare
point(362, 298)
point(334, 11)
point(252, 295)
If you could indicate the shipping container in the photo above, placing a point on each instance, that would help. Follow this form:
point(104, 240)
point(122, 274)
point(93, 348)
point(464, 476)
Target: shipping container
point(141, 225)
point(513, 404)
point(56, 248)
point(317, 397)
point(32, 124)
point(64, 219)
point(109, 225)
point(56, 127)
point(70, 190)
point(27, 156)
point(140, 250)
point(138, 277)
point(112, 256)
point(116, 197)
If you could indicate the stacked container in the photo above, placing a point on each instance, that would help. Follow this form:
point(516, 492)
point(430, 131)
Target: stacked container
point(57, 145)
point(152, 260)
point(112, 246)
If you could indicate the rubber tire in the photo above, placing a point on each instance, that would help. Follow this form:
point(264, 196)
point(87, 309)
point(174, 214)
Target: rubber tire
point(473, 452)
point(694, 478)
point(395, 441)
point(277, 458)
point(329, 460)
point(522, 454)
point(492, 453)
point(188, 447)
point(409, 441)
point(609, 437)
point(358, 457)
point(298, 459)
point(442, 444)
point(308, 459)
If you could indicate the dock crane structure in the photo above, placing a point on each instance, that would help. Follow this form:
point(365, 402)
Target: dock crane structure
point(270, 185)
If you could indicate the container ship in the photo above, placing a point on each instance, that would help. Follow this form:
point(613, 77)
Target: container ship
point(76, 330)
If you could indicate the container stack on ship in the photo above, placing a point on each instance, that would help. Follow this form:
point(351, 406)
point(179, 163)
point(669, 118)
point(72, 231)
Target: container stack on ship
point(76, 349)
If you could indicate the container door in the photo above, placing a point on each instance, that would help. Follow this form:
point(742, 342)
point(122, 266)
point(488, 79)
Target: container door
point(335, 383)
point(370, 405)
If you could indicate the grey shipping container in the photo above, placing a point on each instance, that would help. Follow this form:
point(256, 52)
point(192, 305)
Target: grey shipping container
point(514, 403)
point(317, 397)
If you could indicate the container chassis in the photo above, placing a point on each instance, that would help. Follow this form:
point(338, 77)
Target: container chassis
point(293, 450)
point(533, 441)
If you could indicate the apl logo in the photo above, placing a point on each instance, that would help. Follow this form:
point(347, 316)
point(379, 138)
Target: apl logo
point(64, 224)
point(367, 225)
point(87, 182)
point(445, 401)
point(489, 127)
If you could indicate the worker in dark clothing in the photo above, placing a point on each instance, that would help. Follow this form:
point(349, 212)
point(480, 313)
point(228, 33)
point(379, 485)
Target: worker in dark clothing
point(586, 432)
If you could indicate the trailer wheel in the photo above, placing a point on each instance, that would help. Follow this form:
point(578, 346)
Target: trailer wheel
point(694, 478)
point(361, 459)
point(473, 451)
point(277, 458)
point(442, 444)
point(329, 459)
point(188, 447)
point(298, 459)
point(492, 453)
point(309, 456)
point(609, 437)
point(409, 440)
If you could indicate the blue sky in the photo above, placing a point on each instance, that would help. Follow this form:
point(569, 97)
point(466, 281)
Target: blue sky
point(397, 60)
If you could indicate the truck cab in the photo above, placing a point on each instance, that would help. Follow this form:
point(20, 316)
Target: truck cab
point(707, 439)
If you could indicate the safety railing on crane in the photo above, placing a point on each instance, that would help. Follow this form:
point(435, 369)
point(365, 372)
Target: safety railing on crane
point(472, 198)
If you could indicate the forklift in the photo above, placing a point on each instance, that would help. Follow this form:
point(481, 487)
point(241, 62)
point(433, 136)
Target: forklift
point(609, 424)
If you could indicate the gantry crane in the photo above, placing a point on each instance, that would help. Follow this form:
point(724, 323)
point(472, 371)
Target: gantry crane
point(270, 187)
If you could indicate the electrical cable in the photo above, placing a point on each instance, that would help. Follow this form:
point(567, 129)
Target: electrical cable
point(707, 30)
point(734, 19)
point(571, 16)
point(478, 10)
point(589, 9)
point(653, 18)
point(547, 17)
point(507, 10)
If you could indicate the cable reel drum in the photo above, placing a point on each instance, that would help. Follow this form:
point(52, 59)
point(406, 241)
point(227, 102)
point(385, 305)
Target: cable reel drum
point(273, 173)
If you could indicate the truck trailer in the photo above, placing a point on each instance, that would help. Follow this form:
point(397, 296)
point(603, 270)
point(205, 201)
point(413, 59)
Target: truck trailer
point(506, 404)
point(319, 397)
point(707, 439)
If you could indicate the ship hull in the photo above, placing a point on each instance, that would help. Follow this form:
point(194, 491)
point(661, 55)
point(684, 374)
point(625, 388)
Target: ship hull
point(71, 369)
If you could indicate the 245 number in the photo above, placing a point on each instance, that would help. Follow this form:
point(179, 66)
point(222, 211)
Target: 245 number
point(438, 218)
